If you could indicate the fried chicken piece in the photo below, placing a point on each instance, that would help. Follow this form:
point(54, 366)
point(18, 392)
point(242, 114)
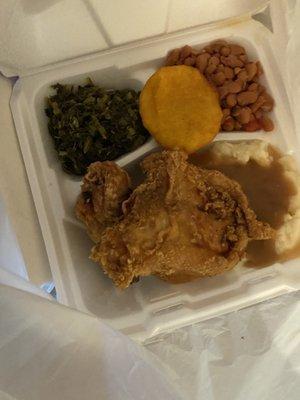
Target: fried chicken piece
point(183, 222)
point(105, 186)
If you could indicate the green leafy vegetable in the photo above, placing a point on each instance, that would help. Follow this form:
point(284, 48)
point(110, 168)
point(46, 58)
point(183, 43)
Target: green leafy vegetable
point(89, 123)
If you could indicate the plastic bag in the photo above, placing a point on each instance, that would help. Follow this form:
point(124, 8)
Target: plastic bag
point(48, 351)
point(251, 354)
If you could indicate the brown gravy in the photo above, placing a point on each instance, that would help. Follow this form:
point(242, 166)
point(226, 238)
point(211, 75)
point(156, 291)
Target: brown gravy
point(268, 192)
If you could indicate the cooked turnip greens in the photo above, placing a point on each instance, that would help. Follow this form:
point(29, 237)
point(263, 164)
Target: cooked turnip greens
point(89, 123)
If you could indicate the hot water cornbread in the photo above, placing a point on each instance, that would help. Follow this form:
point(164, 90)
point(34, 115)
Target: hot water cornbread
point(180, 108)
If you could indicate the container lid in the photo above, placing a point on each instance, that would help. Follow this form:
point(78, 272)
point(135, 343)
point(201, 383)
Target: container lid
point(35, 34)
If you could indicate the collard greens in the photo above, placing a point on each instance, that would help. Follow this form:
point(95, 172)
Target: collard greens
point(89, 123)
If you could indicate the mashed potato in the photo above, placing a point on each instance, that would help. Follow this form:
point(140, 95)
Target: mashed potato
point(288, 235)
point(243, 152)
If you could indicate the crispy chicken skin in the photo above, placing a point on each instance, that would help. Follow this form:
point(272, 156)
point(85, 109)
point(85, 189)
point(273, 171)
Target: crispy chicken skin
point(105, 186)
point(183, 222)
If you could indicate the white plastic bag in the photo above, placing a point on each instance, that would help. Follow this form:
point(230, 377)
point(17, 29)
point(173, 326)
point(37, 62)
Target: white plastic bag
point(252, 354)
point(48, 351)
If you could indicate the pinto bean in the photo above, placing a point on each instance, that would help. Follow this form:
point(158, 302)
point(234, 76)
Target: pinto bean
point(231, 100)
point(173, 57)
point(219, 78)
point(208, 49)
point(237, 49)
point(235, 111)
point(267, 123)
point(185, 52)
point(268, 102)
point(253, 87)
point(243, 75)
point(228, 72)
point(237, 125)
point(251, 69)
point(244, 115)
point(237, 70)
point(252, 126)
point(258, 114)
point(217, 45)
point(243, 58)
point(212, 64)
point(234, 86)
point(221, 68)
point(190, 61)
point(223, 91)
point(231, 61)
point(201, 61)
point(226, 113)
point(225, 51)
point(257, 104)
point(247, 97)
point(228, 124)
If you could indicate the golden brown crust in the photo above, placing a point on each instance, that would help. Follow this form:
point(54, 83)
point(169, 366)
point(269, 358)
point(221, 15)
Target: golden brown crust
point(183, 222)
point(105, 186)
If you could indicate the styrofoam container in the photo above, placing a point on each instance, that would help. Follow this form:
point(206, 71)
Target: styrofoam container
point(150, 306)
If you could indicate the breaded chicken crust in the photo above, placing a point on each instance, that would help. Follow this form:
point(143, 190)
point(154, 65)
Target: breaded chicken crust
point(105, 186)
point(181, 223)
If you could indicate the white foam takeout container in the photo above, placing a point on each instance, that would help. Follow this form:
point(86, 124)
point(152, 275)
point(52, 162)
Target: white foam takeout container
point(150, 306)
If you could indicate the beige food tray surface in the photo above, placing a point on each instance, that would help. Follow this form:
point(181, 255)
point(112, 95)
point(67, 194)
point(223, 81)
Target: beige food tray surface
point(16, 195)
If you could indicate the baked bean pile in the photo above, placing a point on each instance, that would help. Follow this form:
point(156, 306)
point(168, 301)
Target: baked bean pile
point(244, 101)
